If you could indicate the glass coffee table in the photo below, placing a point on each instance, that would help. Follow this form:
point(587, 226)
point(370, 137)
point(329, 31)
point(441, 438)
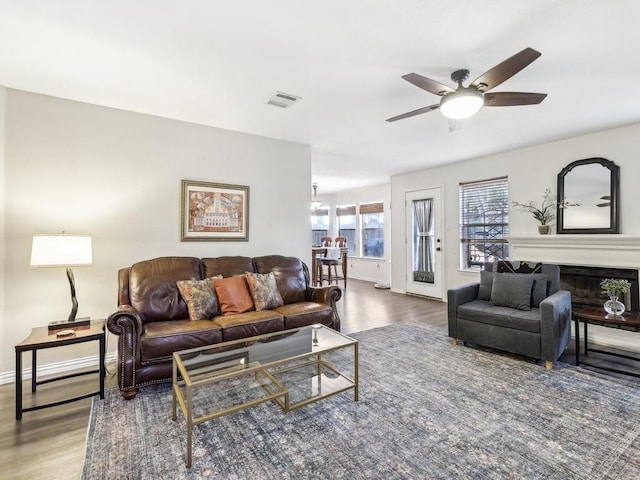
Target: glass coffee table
point(293, 368)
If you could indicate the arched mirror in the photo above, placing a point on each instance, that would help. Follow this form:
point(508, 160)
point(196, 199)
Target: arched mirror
point(588, 192)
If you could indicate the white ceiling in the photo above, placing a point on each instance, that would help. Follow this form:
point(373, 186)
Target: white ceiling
point(216, 62)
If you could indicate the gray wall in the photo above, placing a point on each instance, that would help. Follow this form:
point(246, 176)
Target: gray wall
point(80, 168)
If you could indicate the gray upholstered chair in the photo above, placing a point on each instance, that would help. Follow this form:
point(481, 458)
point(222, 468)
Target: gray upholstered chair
point(522, 313)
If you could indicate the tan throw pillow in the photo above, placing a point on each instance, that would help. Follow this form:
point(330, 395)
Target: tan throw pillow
point(264, 290)
point(233, 295)
point(200, 297)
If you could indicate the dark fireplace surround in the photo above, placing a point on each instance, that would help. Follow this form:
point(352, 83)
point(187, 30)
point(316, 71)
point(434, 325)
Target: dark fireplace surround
point(584, 284)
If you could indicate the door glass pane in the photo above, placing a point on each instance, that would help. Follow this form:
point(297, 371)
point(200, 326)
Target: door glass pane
point(423, 245)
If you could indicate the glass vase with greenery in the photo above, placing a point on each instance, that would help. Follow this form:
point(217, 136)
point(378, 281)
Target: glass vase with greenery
point(615, 289)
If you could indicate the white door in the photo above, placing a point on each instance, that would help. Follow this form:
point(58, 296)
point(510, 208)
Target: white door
point(425, 261)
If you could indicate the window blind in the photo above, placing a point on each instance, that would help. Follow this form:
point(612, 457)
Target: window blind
point(484, 221)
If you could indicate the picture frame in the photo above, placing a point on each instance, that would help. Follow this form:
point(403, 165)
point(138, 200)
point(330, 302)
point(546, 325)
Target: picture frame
point(214, 212)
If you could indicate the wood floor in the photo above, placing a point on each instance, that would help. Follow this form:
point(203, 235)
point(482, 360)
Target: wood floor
point(49, 443)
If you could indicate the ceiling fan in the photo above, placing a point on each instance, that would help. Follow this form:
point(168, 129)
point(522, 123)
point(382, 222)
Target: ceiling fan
point(465, 101)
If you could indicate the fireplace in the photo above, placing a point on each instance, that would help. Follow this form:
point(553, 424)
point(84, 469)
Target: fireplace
point(584, 284)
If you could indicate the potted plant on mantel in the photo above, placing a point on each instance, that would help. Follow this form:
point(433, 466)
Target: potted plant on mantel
point(615, 288)
point(544, 213)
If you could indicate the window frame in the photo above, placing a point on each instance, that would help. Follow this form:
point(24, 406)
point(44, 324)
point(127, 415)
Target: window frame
point(492, 244)
point(371, 208)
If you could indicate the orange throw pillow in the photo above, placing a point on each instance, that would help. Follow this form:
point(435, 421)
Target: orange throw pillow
point(233, 295)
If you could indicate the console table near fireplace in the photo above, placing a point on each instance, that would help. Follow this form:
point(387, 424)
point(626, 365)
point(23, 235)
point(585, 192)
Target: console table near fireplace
point(629, 321)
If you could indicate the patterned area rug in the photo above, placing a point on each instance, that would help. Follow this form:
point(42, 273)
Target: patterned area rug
point(427, 410)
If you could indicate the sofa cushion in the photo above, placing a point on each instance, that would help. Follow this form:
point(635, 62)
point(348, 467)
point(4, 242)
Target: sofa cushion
point(289, 273)
point(250, 324)
point(153, 290)
point(200, 297)
point(226, 266)
point(483, 311)
point(264, 290)
point(233, 295)
point(161, 339)
point(305, 313)
point(540, 289)
point(486, 282)
point(512, 290)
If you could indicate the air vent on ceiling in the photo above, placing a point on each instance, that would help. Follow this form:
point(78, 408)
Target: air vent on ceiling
point(282, 100)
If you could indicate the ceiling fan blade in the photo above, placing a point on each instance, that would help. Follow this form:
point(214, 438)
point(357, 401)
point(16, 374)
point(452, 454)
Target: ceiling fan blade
point(427, 84)
point(505, 70)
point(510, 99)
point(414, 113)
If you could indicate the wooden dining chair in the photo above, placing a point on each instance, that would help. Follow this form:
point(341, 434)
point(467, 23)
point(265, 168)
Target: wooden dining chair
point(325, 241)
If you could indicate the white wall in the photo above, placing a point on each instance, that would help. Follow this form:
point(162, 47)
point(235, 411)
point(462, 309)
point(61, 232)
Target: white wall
point(375, 270)
point(81, 168)
point(530, 171)
point(3, 93)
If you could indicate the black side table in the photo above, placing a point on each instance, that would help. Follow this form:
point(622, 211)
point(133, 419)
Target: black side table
point(41, 338)
point(629, 321)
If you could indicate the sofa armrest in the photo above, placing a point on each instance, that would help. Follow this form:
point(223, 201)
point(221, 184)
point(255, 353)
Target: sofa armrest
point(329, 295)
point(555, 325)
point(127, 324)
point(457, 296)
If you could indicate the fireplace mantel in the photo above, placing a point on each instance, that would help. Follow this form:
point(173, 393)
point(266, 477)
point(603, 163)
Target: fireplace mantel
point(619, 250)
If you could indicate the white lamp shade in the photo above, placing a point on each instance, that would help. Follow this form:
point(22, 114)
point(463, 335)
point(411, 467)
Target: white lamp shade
point(61, 250)
point(461, 104)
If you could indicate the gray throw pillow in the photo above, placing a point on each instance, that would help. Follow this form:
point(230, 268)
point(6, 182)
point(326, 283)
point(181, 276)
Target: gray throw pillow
point(512, 290)
point(486, 280)
point(540, 288)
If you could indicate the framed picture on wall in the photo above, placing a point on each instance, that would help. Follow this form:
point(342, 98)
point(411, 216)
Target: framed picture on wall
point(214, 212)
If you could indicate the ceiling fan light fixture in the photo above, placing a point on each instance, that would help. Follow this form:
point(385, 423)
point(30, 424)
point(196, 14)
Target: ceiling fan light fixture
point(463, 103)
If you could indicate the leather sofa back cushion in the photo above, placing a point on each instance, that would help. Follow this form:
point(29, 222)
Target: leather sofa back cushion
point(226, 266)
point(289, 274)
point(233, 295)
point(153, 290)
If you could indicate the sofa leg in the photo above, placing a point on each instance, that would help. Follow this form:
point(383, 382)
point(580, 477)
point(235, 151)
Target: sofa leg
point(454, 341)
point(129, 394)
point(548, 364)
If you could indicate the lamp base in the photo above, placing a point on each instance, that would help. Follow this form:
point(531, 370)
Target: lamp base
point(78, 322)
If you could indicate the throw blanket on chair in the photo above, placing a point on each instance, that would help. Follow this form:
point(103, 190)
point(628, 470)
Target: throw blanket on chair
point(517, 267)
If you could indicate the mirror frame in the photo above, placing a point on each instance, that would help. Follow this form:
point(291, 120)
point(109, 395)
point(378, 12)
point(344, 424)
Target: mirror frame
point(614, 191)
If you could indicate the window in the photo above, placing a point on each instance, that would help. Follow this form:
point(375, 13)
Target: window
point(319, 225)
point(347, 226)
point(484, 221)
point(372, 232)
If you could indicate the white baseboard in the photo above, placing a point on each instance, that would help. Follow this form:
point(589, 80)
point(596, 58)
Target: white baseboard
point(56, 368)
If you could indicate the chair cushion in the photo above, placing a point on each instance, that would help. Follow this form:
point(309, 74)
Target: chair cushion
point(512, 290)
point(233, 294)
point(483, 311)
point(264, 290)
point(540, 289)
point(486, 281)
point(539, 292)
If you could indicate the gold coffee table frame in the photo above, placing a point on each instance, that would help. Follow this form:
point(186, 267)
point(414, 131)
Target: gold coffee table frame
point(264, 359)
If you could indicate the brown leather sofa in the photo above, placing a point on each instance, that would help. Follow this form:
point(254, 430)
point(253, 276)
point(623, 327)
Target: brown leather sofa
point(152, 319)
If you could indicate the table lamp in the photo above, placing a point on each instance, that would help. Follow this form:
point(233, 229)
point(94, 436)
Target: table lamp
point(63, 250)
